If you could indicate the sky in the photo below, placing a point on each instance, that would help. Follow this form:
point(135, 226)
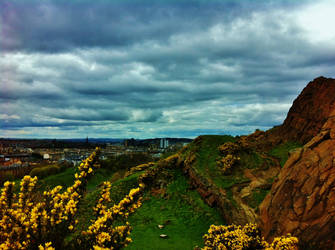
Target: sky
point(144, 69)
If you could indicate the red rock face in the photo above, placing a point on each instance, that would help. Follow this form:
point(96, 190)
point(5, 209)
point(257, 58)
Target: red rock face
point(310, 110)
point(302, 200)
point(304, 120)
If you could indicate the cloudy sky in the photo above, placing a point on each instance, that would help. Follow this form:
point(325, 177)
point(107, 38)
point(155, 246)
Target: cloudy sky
point(142, 69)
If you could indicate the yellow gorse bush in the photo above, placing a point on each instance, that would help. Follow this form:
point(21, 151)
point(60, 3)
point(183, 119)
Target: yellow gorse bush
point(234, 237)
point(229, 148)
point(229, 151)
point(102, 233)
point(30, 220)
point(101, 205)
point(227, 162)
point(284, 243)
point(46, 246)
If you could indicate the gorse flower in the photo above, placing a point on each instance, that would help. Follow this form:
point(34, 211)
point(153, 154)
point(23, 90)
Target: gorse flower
point(229, 159)
point(284, 243)
point(31, 220)
point(46, 246)
point(28, 220)
point(234, 237)
point(101, 205)
point(102, 232)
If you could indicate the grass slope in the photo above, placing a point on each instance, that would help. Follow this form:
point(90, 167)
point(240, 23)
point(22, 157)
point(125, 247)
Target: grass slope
point(182, 212)
point(119, 190)
point(185, 216)
point(207, 154)
point(282, 151)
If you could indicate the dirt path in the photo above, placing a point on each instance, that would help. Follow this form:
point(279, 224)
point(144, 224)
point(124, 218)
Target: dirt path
point(248, 211)
point(258, 179)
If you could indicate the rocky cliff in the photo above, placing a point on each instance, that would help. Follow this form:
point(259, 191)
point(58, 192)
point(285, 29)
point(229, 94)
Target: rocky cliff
point(302, 200)
point(305, 118)
point(310, 110)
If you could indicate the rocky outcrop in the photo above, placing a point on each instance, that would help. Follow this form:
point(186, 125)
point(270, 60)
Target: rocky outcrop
point(231, 211)
point(304, 120)
point(309, 111)
point(302, 200)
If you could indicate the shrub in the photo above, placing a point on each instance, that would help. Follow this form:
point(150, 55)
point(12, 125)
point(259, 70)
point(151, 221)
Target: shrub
point(104, 233)
point(30, 220)
point(41, 172)
point(249, 237)
point(126, 161)
point(229, 159)
point(229, 148)
point(139, 168)
point(227, 162)
point(233, 237)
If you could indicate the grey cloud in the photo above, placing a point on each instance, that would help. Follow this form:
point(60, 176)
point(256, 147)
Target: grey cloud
point(51, 26)
point(90, 115)
point(5, 124)
point(148, 70)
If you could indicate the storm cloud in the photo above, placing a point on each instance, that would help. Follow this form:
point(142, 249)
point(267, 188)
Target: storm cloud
point(151, 68)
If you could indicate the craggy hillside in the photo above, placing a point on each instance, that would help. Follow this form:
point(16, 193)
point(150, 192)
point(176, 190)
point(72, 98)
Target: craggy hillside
point(310, 110)
point(235, 182)
point(302, 200)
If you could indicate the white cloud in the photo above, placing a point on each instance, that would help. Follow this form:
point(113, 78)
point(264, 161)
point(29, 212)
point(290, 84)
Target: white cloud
point(317, 20)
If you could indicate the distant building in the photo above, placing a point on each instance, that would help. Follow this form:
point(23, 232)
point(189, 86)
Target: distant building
point(164, 143)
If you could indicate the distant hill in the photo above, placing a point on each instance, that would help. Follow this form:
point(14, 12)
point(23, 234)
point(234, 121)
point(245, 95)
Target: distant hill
point(84, 142)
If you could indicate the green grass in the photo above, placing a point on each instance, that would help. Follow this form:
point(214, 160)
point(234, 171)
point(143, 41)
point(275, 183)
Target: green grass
point(231, 198)
point(182, 212)
point(250, 160)
point(257, 197)
point(207, 155)
point(64, 179)
point(281, 151)
point(99, 176)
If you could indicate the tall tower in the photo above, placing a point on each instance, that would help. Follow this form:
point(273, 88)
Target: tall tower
point(164, 143)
